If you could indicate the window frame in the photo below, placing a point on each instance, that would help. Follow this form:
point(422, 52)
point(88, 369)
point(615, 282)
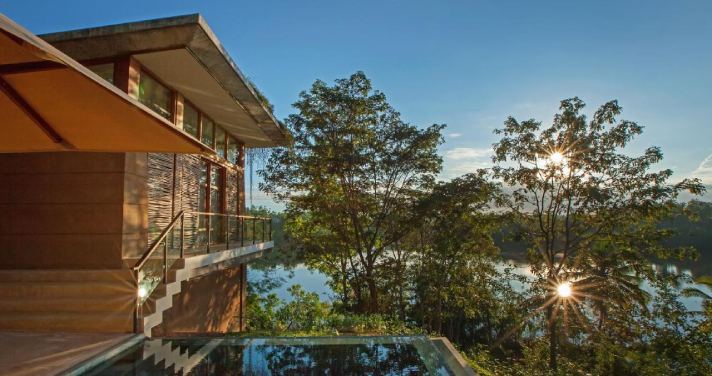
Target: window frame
point(174, 109)
point(186, 102)
point(174, 96)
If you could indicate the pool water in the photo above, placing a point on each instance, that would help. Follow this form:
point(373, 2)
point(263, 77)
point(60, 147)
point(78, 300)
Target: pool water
point(381, 355)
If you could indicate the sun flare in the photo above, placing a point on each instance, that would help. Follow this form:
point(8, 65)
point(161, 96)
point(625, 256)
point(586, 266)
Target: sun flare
point(556, 158)
point(564, 290)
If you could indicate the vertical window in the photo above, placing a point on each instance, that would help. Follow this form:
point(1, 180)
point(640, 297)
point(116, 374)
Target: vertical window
point(203, 202)
point(155, 96)
point(232, 150)
point(208, 132)
point(220, 142)
point(191, 120)
point(217, 193)
point(210, 200)
point(105, 71)
point(216, 189)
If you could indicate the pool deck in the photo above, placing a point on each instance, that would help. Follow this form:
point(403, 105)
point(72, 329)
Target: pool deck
point(25, 354)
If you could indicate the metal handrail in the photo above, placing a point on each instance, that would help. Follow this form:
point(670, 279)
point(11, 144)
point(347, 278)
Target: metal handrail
point(164, 234)
point(230, 215)
point(155, 244)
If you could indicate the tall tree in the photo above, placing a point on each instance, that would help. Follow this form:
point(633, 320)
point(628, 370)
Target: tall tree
point(350, 173)
point(571, 187)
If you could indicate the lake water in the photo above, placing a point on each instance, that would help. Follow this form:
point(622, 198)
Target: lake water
point(313, 281)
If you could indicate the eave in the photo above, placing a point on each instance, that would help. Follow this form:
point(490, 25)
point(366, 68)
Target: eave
point(157, 43)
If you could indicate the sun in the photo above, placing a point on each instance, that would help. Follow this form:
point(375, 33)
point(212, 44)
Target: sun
point(556, 158)
point(564, 289)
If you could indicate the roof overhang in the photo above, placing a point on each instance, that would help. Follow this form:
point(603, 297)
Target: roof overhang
point(50, 102)
point(185, 54)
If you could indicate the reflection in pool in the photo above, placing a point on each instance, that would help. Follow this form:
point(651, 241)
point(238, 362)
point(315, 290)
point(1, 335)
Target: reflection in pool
point(413, 355)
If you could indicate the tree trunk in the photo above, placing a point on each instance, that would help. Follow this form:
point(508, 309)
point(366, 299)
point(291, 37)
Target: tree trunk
point(552, 338)
point(488, 328)
point(401, 303)
point(438, 311)
point(373, 295)
point(344, 287)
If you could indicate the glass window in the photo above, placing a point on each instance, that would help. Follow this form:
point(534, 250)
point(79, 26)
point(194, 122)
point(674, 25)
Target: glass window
point(220, 142)
point(232, 150)
point(105, 71)
point(208, 129)
point(217, 228)
point(216, 189)
point(191, 119)
point(155, 96)
point(203, 203)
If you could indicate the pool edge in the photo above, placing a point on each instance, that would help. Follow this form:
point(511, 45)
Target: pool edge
point(452, 357)
point(92, 362)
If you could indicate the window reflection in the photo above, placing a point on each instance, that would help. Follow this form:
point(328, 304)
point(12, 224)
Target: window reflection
point(208, 132)
point(191, 119)
point(155, 96)
point(105, 71)
point(232, 150)
point(220, 142)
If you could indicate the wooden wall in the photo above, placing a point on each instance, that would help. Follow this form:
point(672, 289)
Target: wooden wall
point(213, 303)
point(78, 210)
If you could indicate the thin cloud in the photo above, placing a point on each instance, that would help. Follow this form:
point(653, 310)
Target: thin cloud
point(461, 161)
point(455, 135)
point(704, 171)
point(467, 153)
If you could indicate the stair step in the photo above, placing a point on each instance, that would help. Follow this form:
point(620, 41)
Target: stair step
point(76, 305)
point(67, 322)
point(65, 289)
point(66, 275)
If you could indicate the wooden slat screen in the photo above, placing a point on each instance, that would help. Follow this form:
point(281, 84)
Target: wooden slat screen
point(160, 193)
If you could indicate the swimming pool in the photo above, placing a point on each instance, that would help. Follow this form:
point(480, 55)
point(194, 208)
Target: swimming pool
point(378, 355)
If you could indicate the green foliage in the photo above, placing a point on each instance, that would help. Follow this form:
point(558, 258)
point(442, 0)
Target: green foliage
point(260, 96)
point(348, 180)
point(405, 253)
point(453, 264)
point(588, 212)
point(306, 315)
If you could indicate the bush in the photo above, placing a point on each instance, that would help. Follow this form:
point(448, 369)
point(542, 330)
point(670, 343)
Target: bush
point(307, 315)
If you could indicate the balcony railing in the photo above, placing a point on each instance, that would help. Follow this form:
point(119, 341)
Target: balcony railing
point(214, 232)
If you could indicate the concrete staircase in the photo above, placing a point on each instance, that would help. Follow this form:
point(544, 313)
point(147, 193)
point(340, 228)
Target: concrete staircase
point(99, 300)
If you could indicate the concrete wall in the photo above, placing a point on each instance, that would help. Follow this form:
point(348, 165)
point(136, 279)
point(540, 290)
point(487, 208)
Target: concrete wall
point(71, 210)
point(210, 304)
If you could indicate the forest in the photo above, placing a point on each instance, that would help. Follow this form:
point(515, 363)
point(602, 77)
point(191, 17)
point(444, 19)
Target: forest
point(406, 252)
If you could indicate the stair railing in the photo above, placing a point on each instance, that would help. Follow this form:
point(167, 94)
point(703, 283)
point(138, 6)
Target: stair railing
point(148, 273)
point(147, 283)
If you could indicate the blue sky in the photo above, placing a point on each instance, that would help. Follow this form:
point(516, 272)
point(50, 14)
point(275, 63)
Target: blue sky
point(468, 64)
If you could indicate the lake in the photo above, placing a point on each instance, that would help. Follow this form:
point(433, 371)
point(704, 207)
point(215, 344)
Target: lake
point(313, 281)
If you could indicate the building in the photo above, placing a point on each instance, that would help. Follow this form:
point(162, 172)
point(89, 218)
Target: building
point(127, 212)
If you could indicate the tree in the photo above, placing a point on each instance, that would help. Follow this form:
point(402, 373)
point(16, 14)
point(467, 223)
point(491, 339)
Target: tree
point(611, 279)
point(571, 187)
point(697, 292)
point(454, 272)
point(350, 175)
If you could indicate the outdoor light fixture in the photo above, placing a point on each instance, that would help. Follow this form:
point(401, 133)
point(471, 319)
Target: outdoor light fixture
point(564, 289)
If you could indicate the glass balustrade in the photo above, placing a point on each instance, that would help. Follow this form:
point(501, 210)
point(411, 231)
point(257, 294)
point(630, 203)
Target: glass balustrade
point(214, 232)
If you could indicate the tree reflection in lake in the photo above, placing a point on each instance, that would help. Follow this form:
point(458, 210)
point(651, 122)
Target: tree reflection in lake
point(373, 359)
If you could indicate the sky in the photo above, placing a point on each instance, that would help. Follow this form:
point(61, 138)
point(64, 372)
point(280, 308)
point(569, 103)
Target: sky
point(467, 64)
